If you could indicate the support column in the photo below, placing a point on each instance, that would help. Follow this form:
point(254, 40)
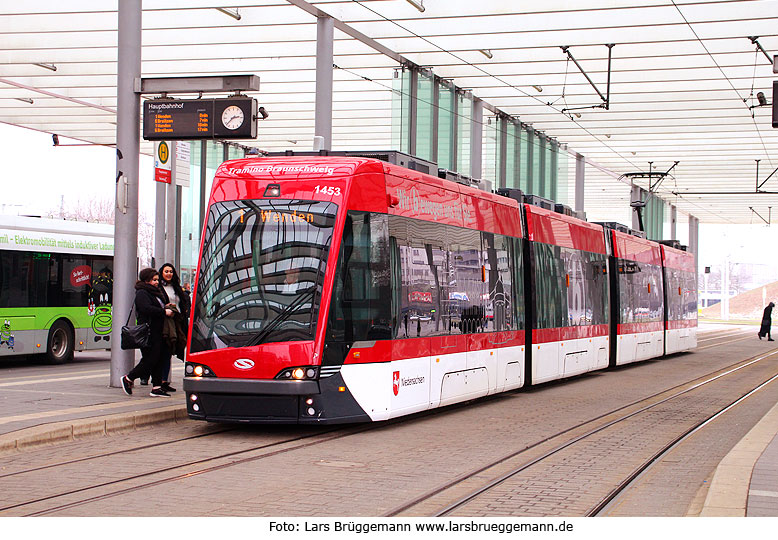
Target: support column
point(170, 214)
point(694, 228)
point(635, 195)
point(580, 171)
point(203, 160)
point(476, 139)
point(502, 151)
point(158, 256)
point(673, 222)
point(324, 61)
point(127, 168)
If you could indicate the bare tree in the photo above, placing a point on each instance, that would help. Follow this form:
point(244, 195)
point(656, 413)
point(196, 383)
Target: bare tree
point(101, 210)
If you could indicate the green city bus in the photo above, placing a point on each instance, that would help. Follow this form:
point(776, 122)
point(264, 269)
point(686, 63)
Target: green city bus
point(56, 282)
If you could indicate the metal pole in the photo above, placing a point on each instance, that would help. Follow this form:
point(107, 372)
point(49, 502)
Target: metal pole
point(127, 168)
point(203, 159)
point(673, 222)
point(580, 171)
point(177, 252)
point(170, 212)
point(502, 152)
point(324, 61)
point(476, 139)
point(636, 217)
point(158, 256)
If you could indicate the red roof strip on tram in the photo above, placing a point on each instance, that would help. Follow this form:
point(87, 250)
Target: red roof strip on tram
point(677, 259)
point(558, 229)
point(626, 246)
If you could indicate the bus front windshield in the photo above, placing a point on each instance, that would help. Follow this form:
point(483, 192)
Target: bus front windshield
point(261, 272)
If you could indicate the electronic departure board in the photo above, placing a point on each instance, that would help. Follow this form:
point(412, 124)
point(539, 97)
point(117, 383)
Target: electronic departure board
point(179, 119)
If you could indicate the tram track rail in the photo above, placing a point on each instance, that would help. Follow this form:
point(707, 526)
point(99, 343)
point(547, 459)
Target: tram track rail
point(270, 449)
point(538, 452)
point(274, 448)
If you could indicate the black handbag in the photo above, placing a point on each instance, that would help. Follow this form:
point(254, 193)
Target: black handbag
point(135, 336)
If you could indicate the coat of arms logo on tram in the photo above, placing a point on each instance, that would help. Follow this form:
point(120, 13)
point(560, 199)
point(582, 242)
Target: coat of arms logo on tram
point(396, 382)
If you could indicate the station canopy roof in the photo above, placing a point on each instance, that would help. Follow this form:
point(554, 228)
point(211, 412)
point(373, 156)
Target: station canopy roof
point(684, 78)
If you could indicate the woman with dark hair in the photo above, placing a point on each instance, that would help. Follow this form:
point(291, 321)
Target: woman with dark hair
point(150, 308)
point(175, 331)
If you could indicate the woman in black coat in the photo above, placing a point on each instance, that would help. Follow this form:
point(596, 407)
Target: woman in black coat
point(767, 322)
point(150, 308)
point(174, 295)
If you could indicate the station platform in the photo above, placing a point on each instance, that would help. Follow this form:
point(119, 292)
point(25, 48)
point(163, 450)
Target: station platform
point(74, 402)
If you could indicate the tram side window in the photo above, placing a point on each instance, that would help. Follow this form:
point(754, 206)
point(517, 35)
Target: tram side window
point(466, 286)
point(550, 300)
point(674, 300)
point(628, 295)
point(516, 263)
point(499, 308)
point(655, 293)
point(597, 288)
point(690, 295)
point(425, 259)
point(574, 283)
point(359, 308)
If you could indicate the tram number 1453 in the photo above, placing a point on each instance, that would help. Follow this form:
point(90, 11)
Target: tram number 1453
point(327, 190)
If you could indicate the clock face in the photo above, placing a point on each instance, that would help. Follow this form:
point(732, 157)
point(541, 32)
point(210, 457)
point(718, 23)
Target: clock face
point(232, 117)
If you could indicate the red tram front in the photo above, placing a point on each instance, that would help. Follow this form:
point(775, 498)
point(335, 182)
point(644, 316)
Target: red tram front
point(334, 289)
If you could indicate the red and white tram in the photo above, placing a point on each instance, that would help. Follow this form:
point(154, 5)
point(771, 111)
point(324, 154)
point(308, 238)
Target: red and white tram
point(346, 289)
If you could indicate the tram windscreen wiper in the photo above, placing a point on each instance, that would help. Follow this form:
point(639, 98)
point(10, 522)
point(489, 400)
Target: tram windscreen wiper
point(284, 315)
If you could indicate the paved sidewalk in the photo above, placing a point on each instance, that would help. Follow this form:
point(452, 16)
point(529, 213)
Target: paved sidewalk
point(746, 481)
point(48, 404)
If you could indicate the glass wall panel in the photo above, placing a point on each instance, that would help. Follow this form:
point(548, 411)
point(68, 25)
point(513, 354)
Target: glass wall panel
point(464, 123)
point(446, 139)
point(424, 115)
point(400, 109)
point(550, 170)
point(511, 155)
point(490, 151)
point(565, 185)
point(538, 164)
point(527, 147)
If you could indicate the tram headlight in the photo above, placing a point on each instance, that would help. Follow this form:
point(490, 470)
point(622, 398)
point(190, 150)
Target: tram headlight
point(193, 369)
point(299, 373)
point(309, 401)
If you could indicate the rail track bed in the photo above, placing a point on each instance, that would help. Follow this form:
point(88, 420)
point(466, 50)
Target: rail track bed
point(638, 440)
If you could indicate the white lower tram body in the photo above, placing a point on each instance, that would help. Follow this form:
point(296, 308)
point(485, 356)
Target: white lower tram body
point(387, 390)
point(560, 359)
point(680, 339)
point(639, 346)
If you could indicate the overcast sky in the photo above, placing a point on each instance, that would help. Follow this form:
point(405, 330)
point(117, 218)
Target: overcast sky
point(37, 177)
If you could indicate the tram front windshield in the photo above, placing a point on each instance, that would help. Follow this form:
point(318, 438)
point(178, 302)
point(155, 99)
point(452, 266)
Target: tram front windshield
point(261, 272)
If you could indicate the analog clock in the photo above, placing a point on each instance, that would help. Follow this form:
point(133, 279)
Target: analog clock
point(232, 117)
